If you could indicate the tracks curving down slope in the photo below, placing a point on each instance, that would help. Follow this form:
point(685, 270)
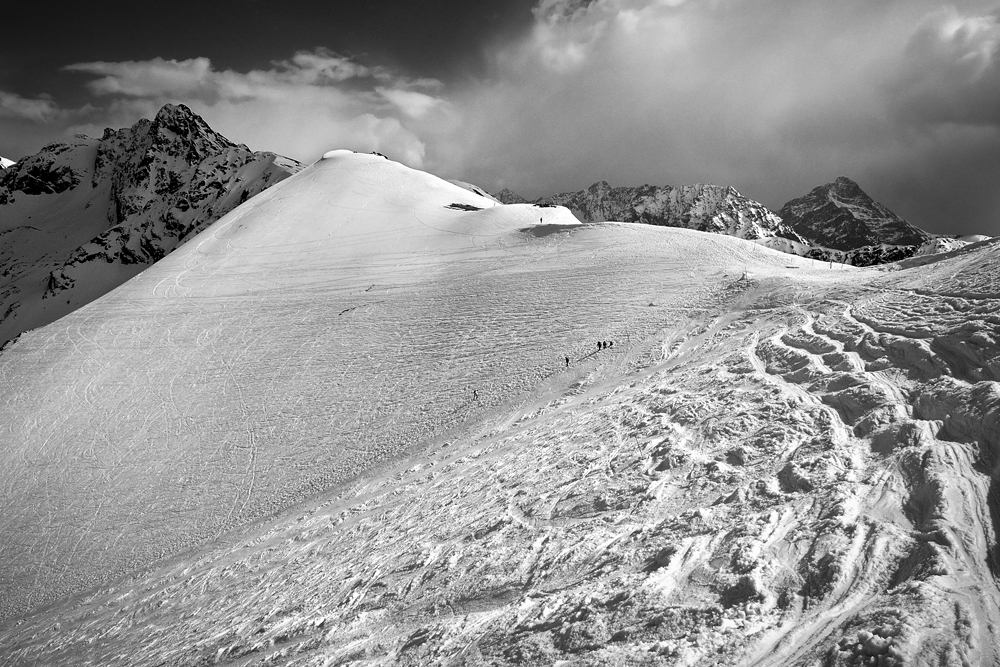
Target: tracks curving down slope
point(776, 463)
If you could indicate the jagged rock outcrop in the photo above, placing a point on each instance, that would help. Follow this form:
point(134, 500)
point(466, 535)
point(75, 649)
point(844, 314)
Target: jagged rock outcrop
point(171, 177)
point(707, 208)
point(869, 255)
point(508, 196)
point(836, 222)
point(841, 216)
point(44, 173)
point(78, 219)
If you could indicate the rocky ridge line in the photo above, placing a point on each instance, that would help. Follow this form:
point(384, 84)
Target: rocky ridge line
point(841, 216)
point(707, 208)
point(79, 218)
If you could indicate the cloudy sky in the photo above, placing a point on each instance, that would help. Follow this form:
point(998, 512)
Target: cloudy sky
point(773, 97)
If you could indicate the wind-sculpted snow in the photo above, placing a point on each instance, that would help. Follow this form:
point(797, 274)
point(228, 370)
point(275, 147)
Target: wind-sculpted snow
point(777, 463)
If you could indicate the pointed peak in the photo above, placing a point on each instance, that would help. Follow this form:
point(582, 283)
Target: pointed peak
point(174, 112)
point(180, 118)
point(178, 121)
point(845, 187)
point(508, 196)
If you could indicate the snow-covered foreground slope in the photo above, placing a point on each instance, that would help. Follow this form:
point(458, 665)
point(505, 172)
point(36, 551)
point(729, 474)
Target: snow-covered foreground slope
point(775, 464)
point(331, 322)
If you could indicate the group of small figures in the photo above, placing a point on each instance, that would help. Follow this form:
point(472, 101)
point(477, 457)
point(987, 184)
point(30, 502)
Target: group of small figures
point(601, 345)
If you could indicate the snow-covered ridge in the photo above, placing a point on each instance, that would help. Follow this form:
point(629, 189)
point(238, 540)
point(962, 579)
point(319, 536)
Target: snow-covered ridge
point(706, 208)
point(4, 162)
point(81, 217)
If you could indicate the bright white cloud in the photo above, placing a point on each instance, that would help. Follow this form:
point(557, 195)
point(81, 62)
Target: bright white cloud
point(147, 78)
point(302, 106)
point(411, 102)
point(40, 110)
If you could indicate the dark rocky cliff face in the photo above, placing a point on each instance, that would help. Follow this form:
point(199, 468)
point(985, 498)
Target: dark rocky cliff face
point(40, 174)
point(841, 216)
point(75, 214)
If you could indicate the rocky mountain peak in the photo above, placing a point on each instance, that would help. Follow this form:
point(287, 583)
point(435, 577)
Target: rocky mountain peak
point(840, 215)
point(176, 123)
point(600, 187)
point(508, 196)
point(115, 205)
point(844, 185)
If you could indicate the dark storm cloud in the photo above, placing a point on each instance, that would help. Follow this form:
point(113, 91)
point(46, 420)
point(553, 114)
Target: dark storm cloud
point(951, 70)
point(771, 96)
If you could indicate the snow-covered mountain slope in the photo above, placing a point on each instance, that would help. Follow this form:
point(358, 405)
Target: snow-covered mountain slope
point(841, 216)
point(776, 463)
point(474, 188)
point(705, 208)
point(4, 162)
point(338, 319)
point(78, 219)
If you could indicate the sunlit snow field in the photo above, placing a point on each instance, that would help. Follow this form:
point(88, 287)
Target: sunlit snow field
point(779, 462)
point(334, 321)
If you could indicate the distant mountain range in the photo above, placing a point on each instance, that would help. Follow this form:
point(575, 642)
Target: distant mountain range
point(836, 222)
point(78, 219)
point(706, 208)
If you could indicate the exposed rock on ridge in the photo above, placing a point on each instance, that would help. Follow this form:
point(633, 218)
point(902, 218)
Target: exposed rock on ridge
point(841, 216)
point(41, 174)
point(170, 177)
point(707, 208)
point(836, 222)
point(80, 218)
